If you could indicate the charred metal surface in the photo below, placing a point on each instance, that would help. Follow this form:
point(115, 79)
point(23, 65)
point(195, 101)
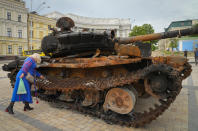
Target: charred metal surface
point(90, 62)
point(120, 100)
point(127, 50)
point(175, 61)
point(65, 23)
point(179, 63)
point(139, 38)
point(72, 43)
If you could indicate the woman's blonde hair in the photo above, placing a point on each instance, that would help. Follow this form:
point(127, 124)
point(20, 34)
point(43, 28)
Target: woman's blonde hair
point(36, 57)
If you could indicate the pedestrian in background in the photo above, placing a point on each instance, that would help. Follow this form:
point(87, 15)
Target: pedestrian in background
point(28, 67)
point(196, 56)
point(185, 53)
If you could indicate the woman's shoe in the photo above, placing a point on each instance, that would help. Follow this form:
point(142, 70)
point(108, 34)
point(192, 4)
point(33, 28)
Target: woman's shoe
point(27, 107)
point(9, 109)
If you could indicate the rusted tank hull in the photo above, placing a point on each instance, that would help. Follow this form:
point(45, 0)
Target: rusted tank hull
point(177, 62)
point(84, 83)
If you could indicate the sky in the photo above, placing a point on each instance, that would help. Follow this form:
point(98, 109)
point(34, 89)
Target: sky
point(158, 13)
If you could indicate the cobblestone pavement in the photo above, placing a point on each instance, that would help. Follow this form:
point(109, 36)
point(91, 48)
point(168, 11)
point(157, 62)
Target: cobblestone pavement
point(3, 74)
point(181, 116)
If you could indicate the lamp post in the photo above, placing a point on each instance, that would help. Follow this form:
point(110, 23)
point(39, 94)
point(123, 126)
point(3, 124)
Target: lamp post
point(31, 6)
point(31, 36)
point(43, 3)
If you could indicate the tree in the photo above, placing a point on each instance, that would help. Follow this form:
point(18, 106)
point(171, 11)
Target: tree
point(173, 43)
point(143, 30)
point(194, 26)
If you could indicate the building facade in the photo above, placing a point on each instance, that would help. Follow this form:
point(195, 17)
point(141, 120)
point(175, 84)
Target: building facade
point(121, 26)
point(13, 25)
point(184, 43)
point(38, 27)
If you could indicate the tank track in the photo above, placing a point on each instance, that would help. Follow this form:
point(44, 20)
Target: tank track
point(134, 119)
point(186, 71)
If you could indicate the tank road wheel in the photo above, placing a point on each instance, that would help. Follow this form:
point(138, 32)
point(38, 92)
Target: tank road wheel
point(156, 85)
point(120, 100)
point(91, 98)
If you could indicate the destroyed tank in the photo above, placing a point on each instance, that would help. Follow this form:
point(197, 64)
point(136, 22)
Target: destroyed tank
point(108, 77)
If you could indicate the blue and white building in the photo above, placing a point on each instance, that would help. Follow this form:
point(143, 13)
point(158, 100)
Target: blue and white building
point(188, 45)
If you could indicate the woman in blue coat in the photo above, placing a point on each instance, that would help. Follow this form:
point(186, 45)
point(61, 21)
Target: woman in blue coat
point(28, 66)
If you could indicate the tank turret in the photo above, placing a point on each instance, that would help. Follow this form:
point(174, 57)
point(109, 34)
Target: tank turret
point(67, 43)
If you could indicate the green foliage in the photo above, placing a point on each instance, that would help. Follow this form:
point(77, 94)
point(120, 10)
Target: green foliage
point(143, 30)
point(154, 47)
point(194, 26)
point(173, 43)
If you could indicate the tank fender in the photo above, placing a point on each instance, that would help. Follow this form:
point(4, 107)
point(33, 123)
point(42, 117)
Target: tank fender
point(174, 61)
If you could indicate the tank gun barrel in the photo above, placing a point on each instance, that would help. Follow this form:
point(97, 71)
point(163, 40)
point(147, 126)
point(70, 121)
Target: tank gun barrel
point(157, 36)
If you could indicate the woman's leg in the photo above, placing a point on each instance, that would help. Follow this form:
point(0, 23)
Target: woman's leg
point(9, 109)
point(15, 97)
